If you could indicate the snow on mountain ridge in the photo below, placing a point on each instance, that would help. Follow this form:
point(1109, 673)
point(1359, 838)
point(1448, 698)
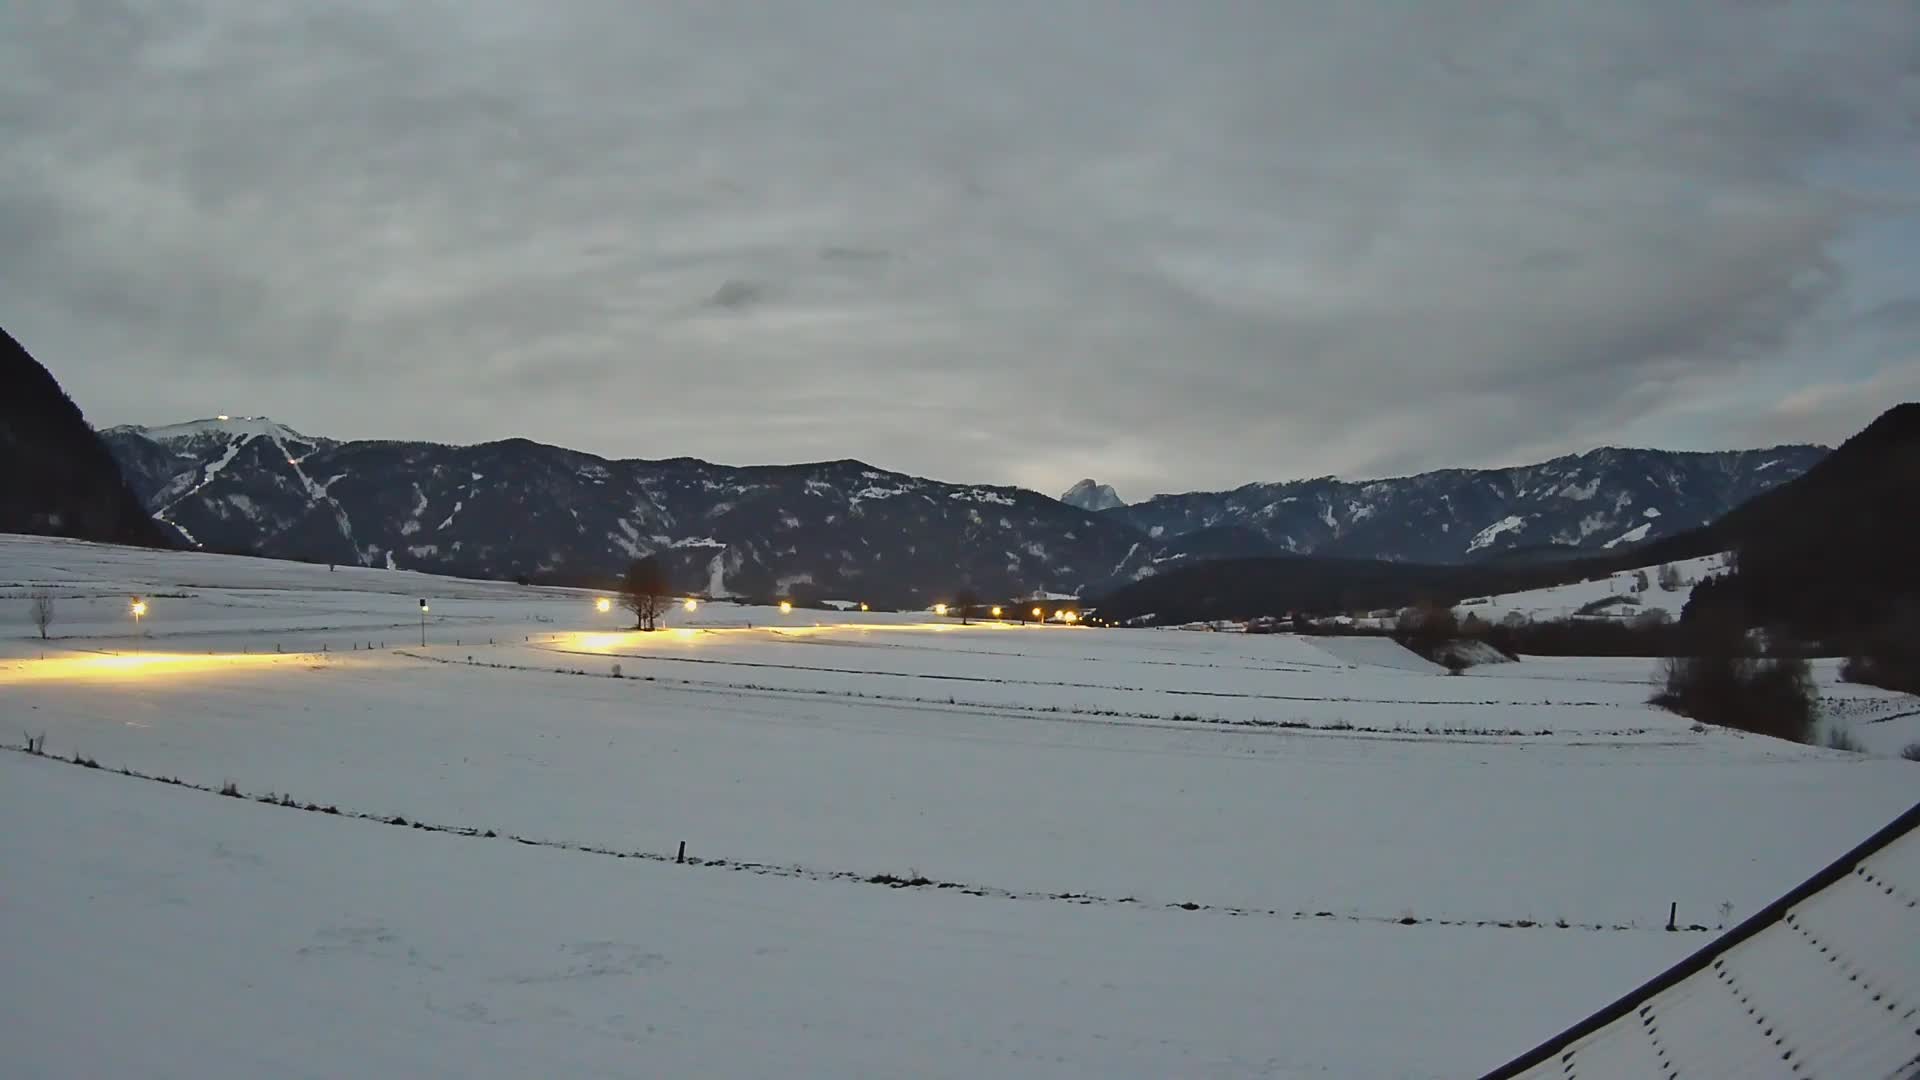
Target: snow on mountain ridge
point(234, 426)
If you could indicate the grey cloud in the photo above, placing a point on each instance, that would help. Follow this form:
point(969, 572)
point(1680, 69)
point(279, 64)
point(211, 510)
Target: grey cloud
point(1209, 245)
point(737, 295)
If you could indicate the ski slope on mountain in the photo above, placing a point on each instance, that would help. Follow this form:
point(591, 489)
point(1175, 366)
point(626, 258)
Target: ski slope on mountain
point(915, 846)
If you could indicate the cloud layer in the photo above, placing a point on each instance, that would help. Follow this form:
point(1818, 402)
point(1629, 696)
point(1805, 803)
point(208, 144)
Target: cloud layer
point(1169, 247)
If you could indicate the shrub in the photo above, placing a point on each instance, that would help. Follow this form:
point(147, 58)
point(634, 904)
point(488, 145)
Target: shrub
point(1912, 752)
point(1842, 739)
point(1599, 605)
point(1767, 697)
point(41, 612)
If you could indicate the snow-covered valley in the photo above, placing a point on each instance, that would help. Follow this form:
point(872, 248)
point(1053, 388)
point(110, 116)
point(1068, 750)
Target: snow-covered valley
point(1137, 852)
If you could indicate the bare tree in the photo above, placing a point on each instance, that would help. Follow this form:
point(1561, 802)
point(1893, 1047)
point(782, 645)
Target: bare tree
point(42, 612)
point(967, 601)
point(644, 592)
point(1669, 577)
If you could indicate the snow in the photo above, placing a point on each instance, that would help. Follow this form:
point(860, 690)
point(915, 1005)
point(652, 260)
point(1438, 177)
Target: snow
point(717, 576)
point(237, 428)
point(1485, 537)
point(1578, 493)
point(1263, 779)
point(231, 939)
point(1564, 601)
point(1815, 993)
point(1631, 536)
point(213, 469)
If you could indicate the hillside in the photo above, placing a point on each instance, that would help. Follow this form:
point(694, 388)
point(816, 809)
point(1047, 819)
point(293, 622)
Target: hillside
point(1830, 555)
point(56, 478)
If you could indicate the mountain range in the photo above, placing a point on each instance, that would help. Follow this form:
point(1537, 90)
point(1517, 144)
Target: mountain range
point(1824, 556)
point(849, 530)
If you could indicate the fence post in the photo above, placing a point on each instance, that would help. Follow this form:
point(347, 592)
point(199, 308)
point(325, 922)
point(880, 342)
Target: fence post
point(1673, 911)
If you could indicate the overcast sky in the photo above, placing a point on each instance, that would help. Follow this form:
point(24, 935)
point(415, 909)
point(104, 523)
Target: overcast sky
point(1168, 245)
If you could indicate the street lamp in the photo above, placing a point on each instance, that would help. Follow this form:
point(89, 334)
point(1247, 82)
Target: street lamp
point(423, 622)
point(786, 607)
point(1038, 615)
point(603, 605)
point(939, 609)
point(691, 605)
point(996, 611)
point(138, 608)
point(864, 607)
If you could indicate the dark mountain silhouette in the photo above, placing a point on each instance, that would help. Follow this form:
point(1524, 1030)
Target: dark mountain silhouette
point(56, 476)
point(1831, 554)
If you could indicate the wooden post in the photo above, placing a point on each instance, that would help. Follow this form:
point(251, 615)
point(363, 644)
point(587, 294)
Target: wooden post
point(682, 857)
point(1673, 910)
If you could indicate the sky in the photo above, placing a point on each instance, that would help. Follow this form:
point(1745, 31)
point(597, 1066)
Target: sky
point(1170, 246)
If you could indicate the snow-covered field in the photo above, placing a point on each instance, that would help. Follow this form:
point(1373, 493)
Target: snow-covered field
point(1144, 853)
point(1621, 587)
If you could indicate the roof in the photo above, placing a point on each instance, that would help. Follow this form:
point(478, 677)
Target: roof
point(1823, 982)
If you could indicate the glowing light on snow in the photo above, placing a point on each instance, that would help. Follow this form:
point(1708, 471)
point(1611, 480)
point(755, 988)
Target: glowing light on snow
point(691, 605)
point(603, 605)
point(939, 609)
point(786, 607)
point(134, 666)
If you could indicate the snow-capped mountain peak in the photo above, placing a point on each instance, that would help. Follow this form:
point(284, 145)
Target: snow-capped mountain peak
point(223, 426)
point(1091, 497)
